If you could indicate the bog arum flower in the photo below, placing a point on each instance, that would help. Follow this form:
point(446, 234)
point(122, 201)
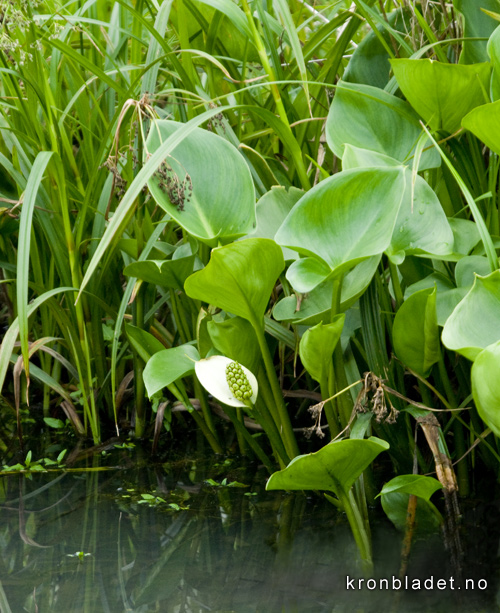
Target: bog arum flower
point(227, 380)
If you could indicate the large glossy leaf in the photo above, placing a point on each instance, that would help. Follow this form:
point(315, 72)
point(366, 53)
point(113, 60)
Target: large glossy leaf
point(477, 24)
point(370, 118)
point(239, 277)
point(317, 345)
point(475, 322)
point(346, 218)
point(441, 93)
point(484, 122)
point(335, 467)
point(421, 225)
point(395, 496)
point(415, 332)
point(486, 386)
point(221, 206)
point(165, 367)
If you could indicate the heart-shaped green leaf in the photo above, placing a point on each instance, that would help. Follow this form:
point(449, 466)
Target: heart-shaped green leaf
point(317, 345)
point(421, 226)
point(415, 332)
point(346, 218)
point(221, 205)
point(418, 485)
point(475, 322)
point(370, 118)
point(427, 518)
point(335, 467)
point(239, 277)
point(486, 386)
point(169, 365)
point(484, 122)
point(442, 94)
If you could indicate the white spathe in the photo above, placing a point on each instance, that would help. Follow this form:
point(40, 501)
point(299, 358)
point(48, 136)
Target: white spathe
point(211, 373)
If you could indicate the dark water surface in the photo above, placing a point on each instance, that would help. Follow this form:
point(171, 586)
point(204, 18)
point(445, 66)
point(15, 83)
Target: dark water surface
point(132, 535)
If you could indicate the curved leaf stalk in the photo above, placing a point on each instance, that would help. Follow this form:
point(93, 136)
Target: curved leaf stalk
point(267, 421)
point(337, 379)
point(396, 284)
point(357, 524)
point(284, 424)
point(330, 407)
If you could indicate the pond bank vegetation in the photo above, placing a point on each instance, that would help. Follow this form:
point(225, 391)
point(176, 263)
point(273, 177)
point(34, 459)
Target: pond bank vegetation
point(274, 222)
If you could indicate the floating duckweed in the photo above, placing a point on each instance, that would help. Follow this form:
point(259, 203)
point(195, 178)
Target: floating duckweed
point(238, 382)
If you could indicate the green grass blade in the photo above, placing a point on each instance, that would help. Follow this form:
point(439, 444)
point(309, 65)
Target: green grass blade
point(23, 259)
point(161, 22)
point(283, 10)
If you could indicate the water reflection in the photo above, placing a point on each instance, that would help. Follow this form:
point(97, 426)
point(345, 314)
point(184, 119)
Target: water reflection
point(159, 538)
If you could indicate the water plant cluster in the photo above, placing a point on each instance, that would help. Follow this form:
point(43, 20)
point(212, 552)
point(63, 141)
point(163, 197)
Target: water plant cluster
point(276, 222)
